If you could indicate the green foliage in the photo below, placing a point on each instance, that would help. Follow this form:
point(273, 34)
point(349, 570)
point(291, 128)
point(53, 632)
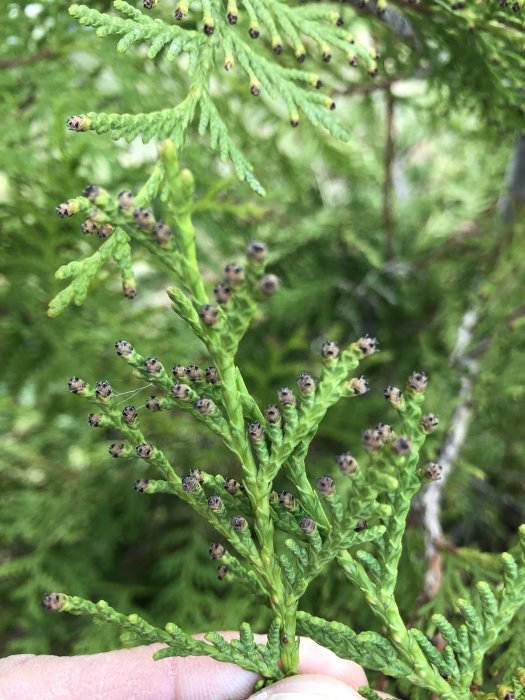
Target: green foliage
point(201, 50)
point(379, 496)
point(323, 222)
point(466, 644)
point(499, 42)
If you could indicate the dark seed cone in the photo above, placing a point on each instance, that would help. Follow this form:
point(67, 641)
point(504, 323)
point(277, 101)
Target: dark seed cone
point(287, 500)
point(402, 446)
point(429, 422)
point(54, 602)
point(269, 284)
point(76, 385)
point(116, 449)
point(347, 463)
point(367, 345)
point(91, 192)
point(211, 375)
point(141, 485)
point(208, 314)
point(190, 484)
point(306, 383)
point(65, 210)
point(130, 414)
point(239, 523)
point(330, 350)
point(359, 385)
point(179, 371)
point(222, 571)
point(144, 451)
point(78, 123)
point(307, 525)
point(215, 503)
point(418, 382)
point(103, 390)
point(194, 373)
point(325, 485)
point(393, 394)
point(104, 231)
point(255, 432)
point(152, 365)
point(162, 233)
point(153, 404)
point(385, 432)
point(286, 397)
point(180, 391)
point(126, 200)
point(144, 218)
point(432, 471)
point(95, 419)
point(232, 486)
point(89, 227)
point(123, 348)
point(257, 251)
point(204, 406)
point(372, 440)
point(233, 273)
point(216, 550)
point(222, 292)
point(272, 414)
point(197, 474)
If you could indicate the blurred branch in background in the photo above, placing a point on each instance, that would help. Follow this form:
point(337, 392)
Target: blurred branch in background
point(41, 55)
point(448, 454)
point(468, 360)
point(388, 186)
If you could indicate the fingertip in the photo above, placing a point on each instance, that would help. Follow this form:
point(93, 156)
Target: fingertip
point(120, 674)
point(316, 659)
point(308, 687)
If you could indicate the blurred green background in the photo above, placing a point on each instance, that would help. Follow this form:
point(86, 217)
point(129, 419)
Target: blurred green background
point(398, 233)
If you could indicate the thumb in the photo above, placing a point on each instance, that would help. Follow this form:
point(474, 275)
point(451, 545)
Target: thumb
point(307, 687)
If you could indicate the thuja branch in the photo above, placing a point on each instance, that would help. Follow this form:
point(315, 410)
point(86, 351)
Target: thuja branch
point(122, 220)
point(450, 673)
point(357, 518)
point(322, 524)
point(111, 220)
point(243, 652)
point(218, 398)
point(222, 41)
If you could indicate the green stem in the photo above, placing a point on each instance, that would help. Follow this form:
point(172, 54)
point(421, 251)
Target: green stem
point(180, 186)
point(258, 493)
